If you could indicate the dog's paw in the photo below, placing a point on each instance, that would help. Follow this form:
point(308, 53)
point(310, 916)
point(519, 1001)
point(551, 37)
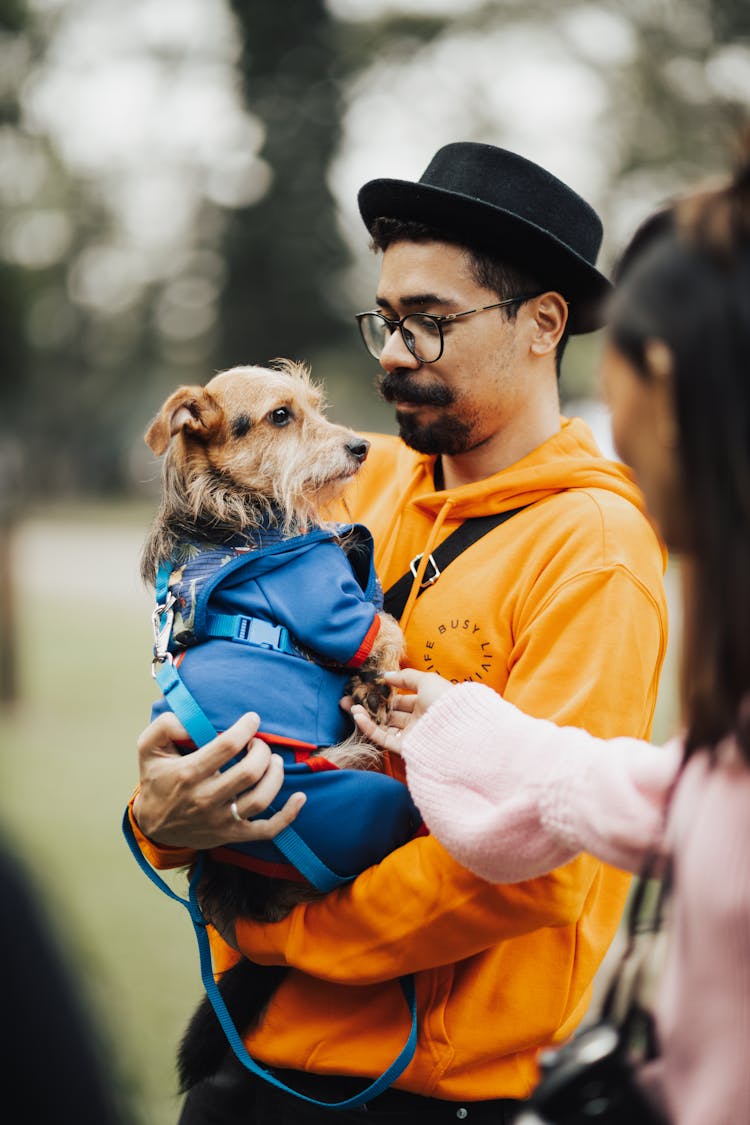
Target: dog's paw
point(370, 690)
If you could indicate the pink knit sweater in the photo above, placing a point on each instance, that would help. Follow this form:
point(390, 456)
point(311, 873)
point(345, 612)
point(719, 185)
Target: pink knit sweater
point(512, 797)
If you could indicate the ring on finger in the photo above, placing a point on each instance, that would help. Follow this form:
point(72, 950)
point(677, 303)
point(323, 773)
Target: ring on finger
point(235, 812)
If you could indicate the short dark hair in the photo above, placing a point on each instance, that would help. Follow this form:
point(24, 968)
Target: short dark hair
point(685, 280)
point(488, 270)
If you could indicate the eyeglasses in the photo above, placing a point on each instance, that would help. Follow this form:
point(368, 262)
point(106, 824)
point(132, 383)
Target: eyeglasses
point(421, 332)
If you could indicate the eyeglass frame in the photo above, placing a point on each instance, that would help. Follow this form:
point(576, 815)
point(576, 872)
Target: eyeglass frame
point(438, 319)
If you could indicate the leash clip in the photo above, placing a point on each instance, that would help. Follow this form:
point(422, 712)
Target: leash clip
point(162, 619)
point(433, 576)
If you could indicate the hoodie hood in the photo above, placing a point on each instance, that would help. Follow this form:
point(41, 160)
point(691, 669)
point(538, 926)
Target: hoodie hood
point(569, 459)
point(413, 516)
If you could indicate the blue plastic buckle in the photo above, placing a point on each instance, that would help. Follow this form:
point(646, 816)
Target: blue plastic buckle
point(255, 631)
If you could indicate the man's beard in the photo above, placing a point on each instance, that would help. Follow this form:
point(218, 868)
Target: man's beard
point(443, 434)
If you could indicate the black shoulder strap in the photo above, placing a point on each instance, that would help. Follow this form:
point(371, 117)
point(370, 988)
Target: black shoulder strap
point(469, 532)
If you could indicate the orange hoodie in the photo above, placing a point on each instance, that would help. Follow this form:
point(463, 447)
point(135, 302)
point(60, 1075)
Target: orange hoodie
point(562, 610)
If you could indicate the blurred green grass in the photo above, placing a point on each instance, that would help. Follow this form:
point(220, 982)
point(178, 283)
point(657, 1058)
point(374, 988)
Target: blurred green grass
point(68, 765)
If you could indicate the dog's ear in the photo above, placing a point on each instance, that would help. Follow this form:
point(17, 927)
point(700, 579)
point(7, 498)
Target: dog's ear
point(190, 410)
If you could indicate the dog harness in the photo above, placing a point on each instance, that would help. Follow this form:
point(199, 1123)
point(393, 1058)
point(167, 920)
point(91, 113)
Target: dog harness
point(246, 621)
point(270, 619)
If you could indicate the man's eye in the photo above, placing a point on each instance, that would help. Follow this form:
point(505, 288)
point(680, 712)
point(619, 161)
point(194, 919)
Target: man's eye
point(427, 325)
point(281, 416)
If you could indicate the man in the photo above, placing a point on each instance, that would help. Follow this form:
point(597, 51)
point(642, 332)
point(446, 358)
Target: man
point(488, 264)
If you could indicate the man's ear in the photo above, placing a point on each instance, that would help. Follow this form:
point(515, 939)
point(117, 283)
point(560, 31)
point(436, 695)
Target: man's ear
point(550, 317)
point(189, 410)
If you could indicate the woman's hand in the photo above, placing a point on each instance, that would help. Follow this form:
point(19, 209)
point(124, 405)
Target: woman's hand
point(423, 688)
point(187, 801)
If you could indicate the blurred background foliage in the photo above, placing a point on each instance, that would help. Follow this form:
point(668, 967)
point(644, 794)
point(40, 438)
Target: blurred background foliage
point(178, 187)
point(177, 179)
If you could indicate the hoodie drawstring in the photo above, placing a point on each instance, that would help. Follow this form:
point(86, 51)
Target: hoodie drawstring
point(423, 563)
point(389, 538)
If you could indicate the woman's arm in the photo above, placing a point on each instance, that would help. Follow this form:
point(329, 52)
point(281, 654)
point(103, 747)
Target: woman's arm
point(511, 796)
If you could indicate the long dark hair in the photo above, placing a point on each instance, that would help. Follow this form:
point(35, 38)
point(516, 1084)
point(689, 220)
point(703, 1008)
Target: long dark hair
point(685, 280)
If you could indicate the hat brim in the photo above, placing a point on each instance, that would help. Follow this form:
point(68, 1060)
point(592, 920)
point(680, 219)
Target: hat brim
point(493, 229)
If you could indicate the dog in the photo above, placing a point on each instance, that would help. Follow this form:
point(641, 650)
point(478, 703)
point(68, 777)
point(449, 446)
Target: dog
point(251, 468)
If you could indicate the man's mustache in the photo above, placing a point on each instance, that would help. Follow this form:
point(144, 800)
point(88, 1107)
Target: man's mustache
point(403, 388)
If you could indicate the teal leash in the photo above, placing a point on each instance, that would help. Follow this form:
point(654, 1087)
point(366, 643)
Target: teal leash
point(386, 1079)
point(288, 841)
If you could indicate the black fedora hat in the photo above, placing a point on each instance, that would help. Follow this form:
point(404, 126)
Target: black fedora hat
point(493, 200)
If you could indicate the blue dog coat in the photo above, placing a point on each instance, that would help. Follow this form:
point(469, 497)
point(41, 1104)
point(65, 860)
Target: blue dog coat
point(276, 625)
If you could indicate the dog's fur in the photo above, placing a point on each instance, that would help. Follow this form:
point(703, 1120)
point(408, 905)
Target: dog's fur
point(252, 448)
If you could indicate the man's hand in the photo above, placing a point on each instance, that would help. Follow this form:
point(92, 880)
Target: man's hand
point(185, 801)
point(423, 688)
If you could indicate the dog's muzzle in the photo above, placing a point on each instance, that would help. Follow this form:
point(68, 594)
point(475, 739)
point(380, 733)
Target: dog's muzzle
point(358, 449)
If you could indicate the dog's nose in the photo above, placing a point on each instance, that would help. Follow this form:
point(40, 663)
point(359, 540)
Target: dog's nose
point(358, 448)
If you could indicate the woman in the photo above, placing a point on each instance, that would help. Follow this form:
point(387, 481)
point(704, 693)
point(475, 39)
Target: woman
point(512, 797)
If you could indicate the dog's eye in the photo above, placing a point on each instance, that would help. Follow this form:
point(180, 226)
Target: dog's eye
point(281, 416)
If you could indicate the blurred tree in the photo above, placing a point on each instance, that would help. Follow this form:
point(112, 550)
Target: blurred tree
point(14, 367)
point(672, 77)
point(675, 112)
point(14, 351)
point(89, 342)
point(284, 293)
point(58, 414)
point(283, 252)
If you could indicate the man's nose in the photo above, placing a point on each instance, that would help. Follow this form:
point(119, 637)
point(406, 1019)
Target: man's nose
point(395, 355)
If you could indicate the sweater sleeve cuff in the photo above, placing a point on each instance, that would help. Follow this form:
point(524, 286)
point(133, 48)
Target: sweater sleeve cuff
point(472, 770)
point(513, 796)
point(161, 856)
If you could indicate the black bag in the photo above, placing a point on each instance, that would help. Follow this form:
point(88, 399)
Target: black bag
point(592, 1078)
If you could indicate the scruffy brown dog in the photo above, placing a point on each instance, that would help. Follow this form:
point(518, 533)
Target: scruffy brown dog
point(253, 449)
point(251, 458)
